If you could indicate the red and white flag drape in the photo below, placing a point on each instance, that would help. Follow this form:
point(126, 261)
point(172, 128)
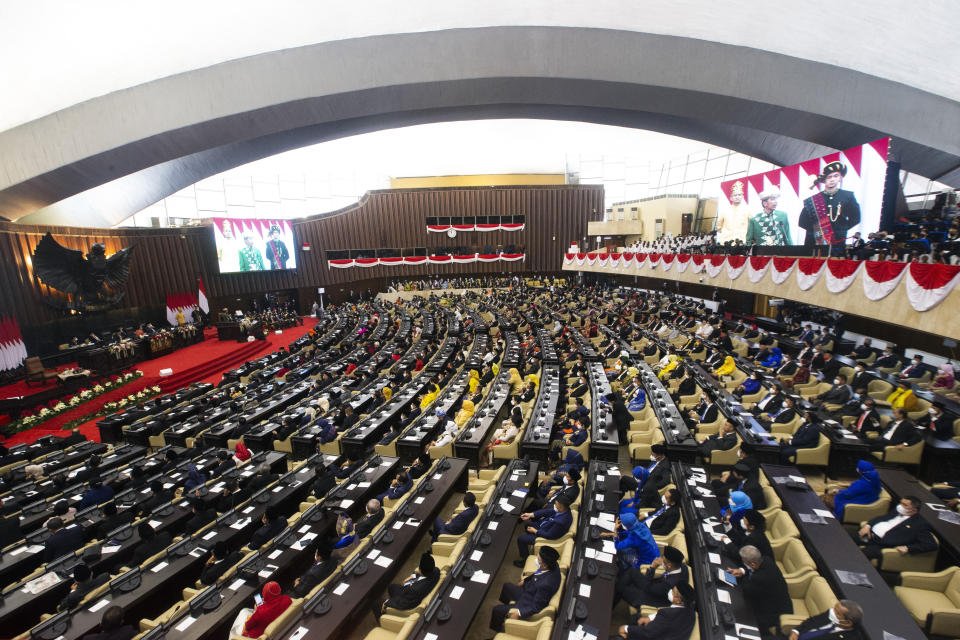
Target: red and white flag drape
point(12, 349)
point(415, 260)
point(443, 228)
point(185, 302)
point(202, 301)
point(926, 285)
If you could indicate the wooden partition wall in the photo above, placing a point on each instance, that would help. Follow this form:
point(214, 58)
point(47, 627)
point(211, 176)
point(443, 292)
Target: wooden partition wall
point(169, 261)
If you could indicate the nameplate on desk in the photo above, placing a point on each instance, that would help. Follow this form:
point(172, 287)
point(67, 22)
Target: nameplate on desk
point(383, 561)
point(480, 576)
point(155, 524)
point(185, 623)
point(723, 596)
point(341, 588)
point(100, 605)
point(456, 592)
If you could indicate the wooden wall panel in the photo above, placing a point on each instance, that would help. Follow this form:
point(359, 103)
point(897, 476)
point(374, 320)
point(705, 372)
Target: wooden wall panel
point(170, 260)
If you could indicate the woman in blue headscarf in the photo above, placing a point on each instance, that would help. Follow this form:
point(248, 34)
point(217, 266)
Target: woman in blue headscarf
point(863, 490)
point(739, 502)
point(194, 478)
point(637, 400)
point(773, 360)
point(640, 475)
point(634, 542)
point(750, 386)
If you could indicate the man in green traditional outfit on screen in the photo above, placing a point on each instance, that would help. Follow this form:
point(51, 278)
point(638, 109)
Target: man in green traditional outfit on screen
point(769, 227)
point(250, 257)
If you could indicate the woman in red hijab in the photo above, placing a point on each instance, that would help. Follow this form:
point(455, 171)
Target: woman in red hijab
point(274, 604)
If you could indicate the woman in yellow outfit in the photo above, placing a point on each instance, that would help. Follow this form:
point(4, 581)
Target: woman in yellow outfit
point(516, 382)
point(430, 397)
point(903, 397)
point(474, 380)
point(535, 379)
point(465, 413)
point(727, 368)
point(674, 361)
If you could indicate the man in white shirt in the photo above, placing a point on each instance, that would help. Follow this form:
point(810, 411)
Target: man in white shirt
point(902, 529)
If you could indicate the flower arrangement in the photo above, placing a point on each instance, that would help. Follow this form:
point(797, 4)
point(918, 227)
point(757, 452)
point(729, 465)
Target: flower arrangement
point(118, 405)
point(161, 340)
point(40, 415)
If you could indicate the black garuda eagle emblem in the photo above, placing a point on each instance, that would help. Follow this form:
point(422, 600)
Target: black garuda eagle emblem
point(90, 282)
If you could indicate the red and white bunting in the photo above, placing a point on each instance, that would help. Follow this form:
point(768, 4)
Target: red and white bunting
point(840, 274)
point(929, 284)
point(443, 228)
point(808, 272)
point(881, 278)
point(735, 266)
point(667, 260)
point(347, 263)
point(713, 265)
point(780, 268)
point(683, 261)
point(757, 267)
point(698, 263)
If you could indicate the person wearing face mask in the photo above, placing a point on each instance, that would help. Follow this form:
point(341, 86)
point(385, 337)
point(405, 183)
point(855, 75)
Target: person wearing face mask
point(852, 406)
point(764, 589)
point(902, 529)
point(807, 436)
point(840, 622)
point(523, 599)
point(936, 423)
point(837, 396)
point(889, 360)
point(640, 587)
point(863, 490)
point(705, 412)
point(723, 440)
point(900, 432)
point(861, 379)
point(664, 520)
point(787, 368)
point(752, 531)
point(862, 351)
point(749, 386)
point(634, 542)
point(914, 370)
point(827, 367)
point(563, 483)
point(866, 420)
point(659, 476)
point(675, 622)
point(738, 503)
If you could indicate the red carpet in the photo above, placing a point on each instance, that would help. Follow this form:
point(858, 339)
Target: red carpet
point(206, 361)
point(20, 388)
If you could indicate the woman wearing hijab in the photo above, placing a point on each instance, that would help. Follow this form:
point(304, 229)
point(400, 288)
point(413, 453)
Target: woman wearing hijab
point(750, 386)
point(474, 380)
point(670, 366)
point(638, 400)
point(640, 475)
point(273, 605)
point(506, 434)
point(725, 369)
point(463, 416)
point(346, 539)
point(194, 478)
point(863, 490)
point(739, 502)
point(945, 379)
point(773, 360)
point(516, 382)
point(241, 453)
point(634, 542)
point(430, 397)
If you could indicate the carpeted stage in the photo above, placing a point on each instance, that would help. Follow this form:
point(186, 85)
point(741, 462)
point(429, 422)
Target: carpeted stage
point(206, 361)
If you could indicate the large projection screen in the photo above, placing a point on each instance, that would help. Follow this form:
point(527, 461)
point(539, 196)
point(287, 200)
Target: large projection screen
point(818, 202)
point(245, 244)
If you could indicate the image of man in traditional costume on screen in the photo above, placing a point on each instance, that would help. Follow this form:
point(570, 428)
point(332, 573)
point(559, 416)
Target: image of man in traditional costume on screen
point(227, 248)
point(250, 257)
point(828, 216)
point(277, 252)
point(732, 223)
point(770, 226)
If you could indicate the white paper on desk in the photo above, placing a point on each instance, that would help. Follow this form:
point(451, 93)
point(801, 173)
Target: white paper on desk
point(707, 527)
point(236, 584)
point(198, 552)
point(240, 524)
point(604, 557)
point(430, 636)
point(824, 513)
point(211, 534)
point(437, 476)
point(340, 588)
point(714, 558)
point(609, 546)
point(363, 485)
point(299, 633)
point(385, 463)
point(691, 482)
point(248, 509)
point(519, 493)
point(100, 605)
point(600, 478)
point(598, 497)
point(308, 537)
point(373, 554)
point(276, 553)
point(935, 506)
point(156, 524)
point(185, 623)
point(476, 555)
point(112, 548)
point(798, 479)
point(745, 630)
point(352, 486)
point(159, 567)
point(167, 485)
point(723, 596)
point(18, 551)
point(604, 524)
point(456, 592)
point(706, 493)
point(506, 506)
point(185, 504)
point(304, 529)
point(265, 573)
point(397, 524)
point(217, 487)
point(492, 526)
point(345, 504)
point(419, 500)
point(278, 489)
point(584, 590)
point(590, 552)
point(383, 561)
point(698, 504)
point(480, 576)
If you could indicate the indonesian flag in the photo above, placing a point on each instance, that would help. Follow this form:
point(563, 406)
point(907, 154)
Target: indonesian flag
point(12, 349)
point(202, 297)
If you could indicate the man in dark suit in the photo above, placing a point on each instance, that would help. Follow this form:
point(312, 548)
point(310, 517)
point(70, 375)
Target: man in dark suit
point(225, 463)
point(415, 588)
point(523, 599)
point(217, 564)
point(829, 368)
point(914, 370)
point(112, 627)
point(936, 423)
point(841, 622)
point(664, 520)
point(838, 394)
point(62, 540)
point(867, 419)
point(549, 523)
point(764, 589)
point(319, 571)
point(97, 494)
point(112, 518)
point(201, 516)
point(263, 478)
point(900, 432)
point(862, 351)
point(889, 360)
point(151, 543)
point(644, 587)
point(724, 440)
point(158, 496)
point(770, 403)
point(675, 622)
point(705, 412)
point(902, 529)
point(861, 379)
point(807, 436)
point(787, 368)
point(83, 583)
point(9, 530)
point(459, 523)
point(562, 483)
point(374, 516)
point(272, 524)
point(751, 532)
point(659, 477)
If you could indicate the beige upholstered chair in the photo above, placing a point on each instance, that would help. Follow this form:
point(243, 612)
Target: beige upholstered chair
point(933, 599)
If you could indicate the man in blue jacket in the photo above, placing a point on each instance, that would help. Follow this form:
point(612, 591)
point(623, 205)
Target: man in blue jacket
point(400, 485)
point(97, 494)
point(459, 523)
point(807, 436)
point(549, 523)
point(523, 599)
